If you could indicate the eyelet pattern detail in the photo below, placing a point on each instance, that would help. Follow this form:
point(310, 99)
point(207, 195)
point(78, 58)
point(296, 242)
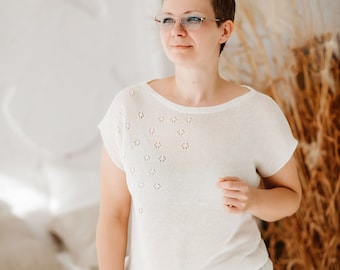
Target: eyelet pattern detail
point(180, 132)
point(185, 146)
point(188, 120)
point(136, 142)
point(161, 119)
point(152, 131)
point(141, 185)
point(162, 159)
point(140, 115)
point(173, 119)
point(149, 148)
point(157, 186)
point(132, 92)
point(127, 125)
point(158, 145)
point(152, 172)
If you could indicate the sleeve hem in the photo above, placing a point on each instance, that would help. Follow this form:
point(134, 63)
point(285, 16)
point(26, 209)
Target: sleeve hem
point(283, 161)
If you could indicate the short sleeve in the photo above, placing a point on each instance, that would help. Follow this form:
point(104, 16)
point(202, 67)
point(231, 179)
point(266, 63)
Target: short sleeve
point(274, 141)
point(110, 128)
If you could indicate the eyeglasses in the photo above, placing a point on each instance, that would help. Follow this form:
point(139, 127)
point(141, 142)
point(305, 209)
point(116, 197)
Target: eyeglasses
point(189, 22)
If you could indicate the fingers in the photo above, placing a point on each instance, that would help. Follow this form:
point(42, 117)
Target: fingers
point(229, 179)
point(233, 205)
point(235, 194)
point(231, 184)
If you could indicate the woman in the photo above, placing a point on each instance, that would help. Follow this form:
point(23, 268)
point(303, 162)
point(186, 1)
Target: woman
point(184, 156)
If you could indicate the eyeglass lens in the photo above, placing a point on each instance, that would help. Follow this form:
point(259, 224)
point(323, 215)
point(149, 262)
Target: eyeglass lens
point(189, 22)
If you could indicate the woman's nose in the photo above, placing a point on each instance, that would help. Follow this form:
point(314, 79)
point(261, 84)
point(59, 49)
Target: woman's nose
point(178, 29)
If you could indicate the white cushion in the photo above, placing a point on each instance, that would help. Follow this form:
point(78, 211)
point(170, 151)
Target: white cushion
point(20, 248)
point(77, 231)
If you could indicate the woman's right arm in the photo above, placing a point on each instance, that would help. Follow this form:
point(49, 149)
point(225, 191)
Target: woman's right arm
point(112, 227)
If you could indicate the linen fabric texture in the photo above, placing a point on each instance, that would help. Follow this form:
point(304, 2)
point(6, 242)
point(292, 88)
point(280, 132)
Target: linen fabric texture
point(173, 156)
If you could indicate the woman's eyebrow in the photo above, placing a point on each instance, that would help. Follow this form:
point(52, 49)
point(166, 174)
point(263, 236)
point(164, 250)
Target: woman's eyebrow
point(187, 12)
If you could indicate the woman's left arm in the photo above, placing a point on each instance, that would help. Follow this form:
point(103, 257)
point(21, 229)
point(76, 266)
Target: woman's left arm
point(280, 198)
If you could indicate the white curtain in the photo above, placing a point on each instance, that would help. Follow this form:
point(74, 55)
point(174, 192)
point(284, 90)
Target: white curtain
point(61, 63)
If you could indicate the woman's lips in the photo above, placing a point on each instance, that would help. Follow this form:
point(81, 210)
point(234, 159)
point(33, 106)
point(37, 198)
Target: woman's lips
point(179, 46)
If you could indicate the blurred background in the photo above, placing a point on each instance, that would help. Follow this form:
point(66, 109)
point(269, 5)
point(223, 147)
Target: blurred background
point(62, 62)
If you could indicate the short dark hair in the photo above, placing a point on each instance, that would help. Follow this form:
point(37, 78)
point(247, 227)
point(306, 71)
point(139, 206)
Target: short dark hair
point(224, 10)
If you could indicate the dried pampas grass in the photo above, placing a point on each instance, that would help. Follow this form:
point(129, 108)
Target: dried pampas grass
point(310, 239)
point(298, 64)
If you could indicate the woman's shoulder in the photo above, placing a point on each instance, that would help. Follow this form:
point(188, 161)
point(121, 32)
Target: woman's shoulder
point(260, 97)
point(127, 97)
point(131, 90)
point(129, 93)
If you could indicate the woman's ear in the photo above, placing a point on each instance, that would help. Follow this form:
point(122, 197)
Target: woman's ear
point(227, 27)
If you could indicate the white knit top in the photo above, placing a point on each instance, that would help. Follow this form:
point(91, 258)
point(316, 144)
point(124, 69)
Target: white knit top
point(173, 156)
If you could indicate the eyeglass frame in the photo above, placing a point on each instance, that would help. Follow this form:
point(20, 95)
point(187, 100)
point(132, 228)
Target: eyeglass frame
point(182, 21)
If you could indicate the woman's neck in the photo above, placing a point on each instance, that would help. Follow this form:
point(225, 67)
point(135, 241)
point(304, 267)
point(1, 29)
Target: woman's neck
point(196, 87)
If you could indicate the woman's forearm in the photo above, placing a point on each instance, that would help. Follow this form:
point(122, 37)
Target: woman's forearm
point(275, 203)
point(111, 244)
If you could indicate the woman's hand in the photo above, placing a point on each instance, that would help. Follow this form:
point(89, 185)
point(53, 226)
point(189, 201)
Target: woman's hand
point(238, 196)
point(280, 197)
